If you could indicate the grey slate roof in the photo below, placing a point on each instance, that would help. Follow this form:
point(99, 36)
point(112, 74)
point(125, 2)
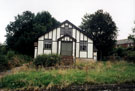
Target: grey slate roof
point(66, 21)
point(124, 41)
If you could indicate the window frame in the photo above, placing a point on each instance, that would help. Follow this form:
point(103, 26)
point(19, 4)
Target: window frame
point(66, 31)
point(47, 44)
point(82, 45)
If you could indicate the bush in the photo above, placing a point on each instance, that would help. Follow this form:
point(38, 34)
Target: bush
point(47, 60)
point(25, 58)
point(121, 52)
point(53, 59)
point(124, 54)
point(40, 60)
point(10, 54)
point(18, 60)
point(10, 59)
point(15, 62)
point(130, 56)
point(3, 63)
point(3, 49)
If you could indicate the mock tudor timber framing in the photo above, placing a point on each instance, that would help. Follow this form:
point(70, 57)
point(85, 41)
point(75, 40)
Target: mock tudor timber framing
point(76, 36)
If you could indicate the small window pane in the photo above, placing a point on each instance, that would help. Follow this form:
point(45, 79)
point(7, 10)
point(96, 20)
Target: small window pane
point(83, 45)
point(47, 44)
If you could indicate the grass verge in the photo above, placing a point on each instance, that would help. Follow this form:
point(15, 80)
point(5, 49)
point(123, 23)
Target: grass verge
point(86, 72)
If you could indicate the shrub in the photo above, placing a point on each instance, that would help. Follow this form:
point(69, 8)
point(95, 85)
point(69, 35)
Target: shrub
point(18, 60)
point(40, 60)
point(3, 63)
point(53, 59)
point(130, 56)
point(25, 58)
point(47, 60)
point(3, 49)
point(10, 54)
point(15, 62)
point(121, 52)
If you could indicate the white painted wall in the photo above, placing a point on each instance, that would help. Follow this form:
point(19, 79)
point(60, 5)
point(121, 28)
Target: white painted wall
point(40, 47)
point(59, 47)
point(77, 49)
point(62, 25)
point(73, 53)
point(77, 36)
point(54, 35)
point(90, 50)
point(54, 47)
point(50, 35)
point(75, 33)
point(35, 52)
point(46, 36)
point(70, 26)
point(66, 24)
point(41, 38)
point(47, 51)
point(81, 36)
point(85, 38)
point(58, 33)
point(89, 40)
point(83, 54)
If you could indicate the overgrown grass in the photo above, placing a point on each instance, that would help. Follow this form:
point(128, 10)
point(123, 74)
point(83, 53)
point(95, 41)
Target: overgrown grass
point(89, 72)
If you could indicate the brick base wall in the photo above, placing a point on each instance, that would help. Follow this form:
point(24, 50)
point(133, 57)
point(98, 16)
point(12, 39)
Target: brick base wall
point(66, 60)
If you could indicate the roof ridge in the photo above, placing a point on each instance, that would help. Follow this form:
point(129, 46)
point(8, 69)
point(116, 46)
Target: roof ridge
point(77, 28)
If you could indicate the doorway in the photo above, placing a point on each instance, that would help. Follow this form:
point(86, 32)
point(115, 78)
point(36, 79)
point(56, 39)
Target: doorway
point(66, 48)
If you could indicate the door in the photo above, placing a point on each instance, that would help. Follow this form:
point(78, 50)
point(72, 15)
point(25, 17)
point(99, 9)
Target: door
point(66, 48)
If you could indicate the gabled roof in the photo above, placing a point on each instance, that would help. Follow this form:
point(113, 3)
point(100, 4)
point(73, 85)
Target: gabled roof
point(67, 36)
point(124, 41)
point(66, 21)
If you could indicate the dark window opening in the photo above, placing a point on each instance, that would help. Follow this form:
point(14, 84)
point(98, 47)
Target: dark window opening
point(48, 44)
point(66, 31)
point(83, 45)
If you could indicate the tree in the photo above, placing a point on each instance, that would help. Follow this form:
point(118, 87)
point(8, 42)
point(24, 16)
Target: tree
point(44, 22)
point(132, 36)
point(102, 30)
point(26, 28)
point(3, 49)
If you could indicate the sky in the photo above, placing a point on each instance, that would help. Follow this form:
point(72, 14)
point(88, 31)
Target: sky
point(122, 12)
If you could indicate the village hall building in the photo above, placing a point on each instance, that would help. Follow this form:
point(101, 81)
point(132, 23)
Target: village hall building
point(66, 40)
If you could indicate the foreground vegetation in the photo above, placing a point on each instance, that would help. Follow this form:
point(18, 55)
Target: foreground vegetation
point(47, 60)
point(124, 54)
point(81, 73)
point(10, 59)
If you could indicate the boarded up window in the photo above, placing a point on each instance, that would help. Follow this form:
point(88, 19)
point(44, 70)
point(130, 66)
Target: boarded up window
point(66, 31)
point(83, 45)
point(48, 44)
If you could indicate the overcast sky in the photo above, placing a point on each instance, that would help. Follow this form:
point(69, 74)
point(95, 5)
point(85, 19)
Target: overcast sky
point(122, 11)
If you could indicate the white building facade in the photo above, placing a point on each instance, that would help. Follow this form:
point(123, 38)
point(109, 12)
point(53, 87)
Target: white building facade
point(66, 40)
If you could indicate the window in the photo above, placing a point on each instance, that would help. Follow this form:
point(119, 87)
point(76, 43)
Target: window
point(48, 44)
point(66, 30)
point(83, 45)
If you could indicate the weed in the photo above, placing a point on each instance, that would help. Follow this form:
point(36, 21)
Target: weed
point(102, 73)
